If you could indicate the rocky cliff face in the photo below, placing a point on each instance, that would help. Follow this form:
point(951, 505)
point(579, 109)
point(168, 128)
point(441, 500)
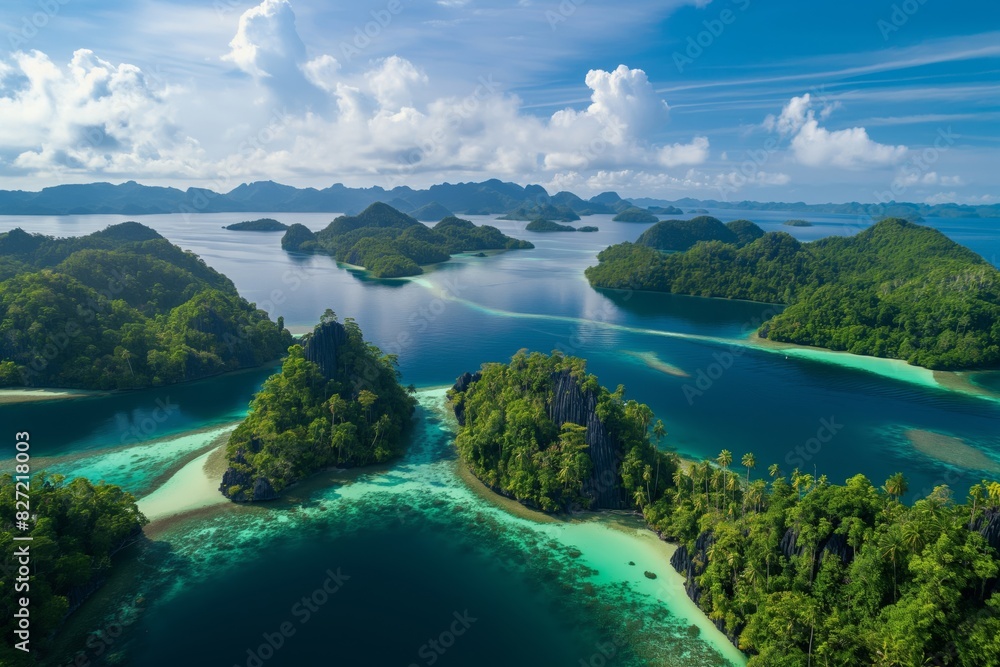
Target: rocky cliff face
point(988, 525)
point(463, 383)
point(570, 404)
point(323, 345)
point(260, 488)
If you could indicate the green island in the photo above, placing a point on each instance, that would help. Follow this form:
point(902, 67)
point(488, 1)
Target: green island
point(665, 210)
point(797, 223)
point(635, 214)
point(391, 244)
point(261, 225)
point(896, 290)
point(336, 402)
point(78, 529)
point(542, 225)
point(121, 308)
point(542, 210)
point(544, 431)
point(795, 570)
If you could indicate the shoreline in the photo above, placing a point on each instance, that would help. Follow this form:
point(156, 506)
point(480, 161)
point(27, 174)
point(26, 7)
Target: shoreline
point(32, 395)
point(16, 395)
point(641, 549)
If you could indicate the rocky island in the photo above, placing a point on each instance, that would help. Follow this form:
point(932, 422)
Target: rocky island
point(337, 402)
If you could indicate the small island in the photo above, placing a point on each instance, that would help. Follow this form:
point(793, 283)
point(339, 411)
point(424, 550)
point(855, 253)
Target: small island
point(122, 308)
point(391, 244)
point(261, 225)
point(336, 402)
point(665, 210)
point(797, 223)
point(565, 442)
point(895, 290)
point(635, 214)
point(542, 225)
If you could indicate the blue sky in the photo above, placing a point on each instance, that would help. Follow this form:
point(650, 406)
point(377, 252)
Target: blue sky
point(725, 99)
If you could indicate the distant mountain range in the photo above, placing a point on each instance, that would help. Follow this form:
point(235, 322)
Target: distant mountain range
point(486, 198)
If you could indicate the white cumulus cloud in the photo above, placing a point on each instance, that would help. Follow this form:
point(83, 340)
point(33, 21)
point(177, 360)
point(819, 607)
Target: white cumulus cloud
point(816, 146)
point(89, 116)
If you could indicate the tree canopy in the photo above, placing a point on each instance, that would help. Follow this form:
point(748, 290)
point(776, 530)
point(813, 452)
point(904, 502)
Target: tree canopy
point(121, 308)
point(76, 529)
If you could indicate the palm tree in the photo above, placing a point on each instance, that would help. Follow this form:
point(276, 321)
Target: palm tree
point(977, 495)
point(773, 470)
point(127, 356)
point(647, 476)
point(640, 498)
point(890, 545)
point(749, 462)
point(367, 399)
point(896, 486)
point(994, 494)
point(725, 460)
point(659, 431)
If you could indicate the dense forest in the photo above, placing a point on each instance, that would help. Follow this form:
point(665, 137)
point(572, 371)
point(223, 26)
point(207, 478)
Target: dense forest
point(798, 571)
point(391, 244)
point(336, 402)
point(526, 434)
point(76, 529)
point(896, 290)
point(121, 308)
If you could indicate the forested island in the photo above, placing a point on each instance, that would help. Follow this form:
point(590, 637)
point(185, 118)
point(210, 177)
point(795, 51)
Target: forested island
point(121, 308)
point(544, 431)
point(635, 214)
point(261, 225)
point(336, 402)
point(391, 244)
point(76, 530)
point(795, 570)
point(895, 290)
point(797, 223)
point(542, 225)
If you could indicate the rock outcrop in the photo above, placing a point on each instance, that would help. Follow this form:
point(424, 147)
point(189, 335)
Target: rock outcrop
point(237, 475)
point(570, 404)
point(463, 383)
point(322, 346)
point(988, 525)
